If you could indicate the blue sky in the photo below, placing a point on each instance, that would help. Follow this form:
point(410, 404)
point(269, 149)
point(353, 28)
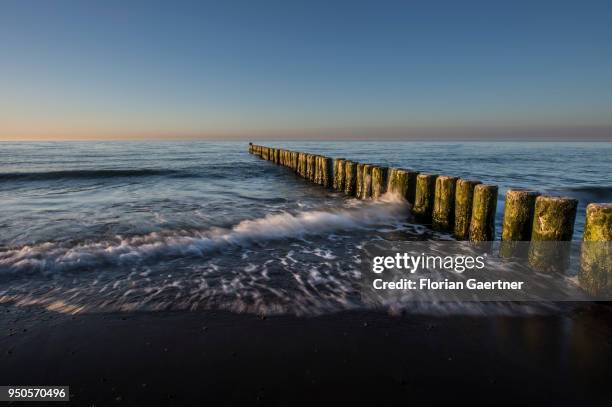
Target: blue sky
point(85, 69)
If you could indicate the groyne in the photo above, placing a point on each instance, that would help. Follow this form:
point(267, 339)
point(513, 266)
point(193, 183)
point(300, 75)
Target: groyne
point(465, 208)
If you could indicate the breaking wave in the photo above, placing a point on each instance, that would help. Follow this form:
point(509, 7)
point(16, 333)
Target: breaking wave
point(120, 250)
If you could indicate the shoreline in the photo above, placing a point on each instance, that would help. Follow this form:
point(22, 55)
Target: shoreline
point(179, 358)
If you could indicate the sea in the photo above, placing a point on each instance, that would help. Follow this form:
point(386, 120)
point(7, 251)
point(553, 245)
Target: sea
point(199, 225)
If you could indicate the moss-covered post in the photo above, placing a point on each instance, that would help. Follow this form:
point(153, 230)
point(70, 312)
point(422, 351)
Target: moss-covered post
point(424, 197)
point(397, 182)
point(302, 165)
point(553, 224)
point(294, 160)
point(350, 177)
point(339, 174)
point(326, 172)
point(484, 205)
point(310, 169)
point(554, 218)
point(402, 183)
point(379, 181)
point(518, 221)
point(366, 187)
point(443, 214)
point(359, 180)
point(596, 252)
point(464, 196)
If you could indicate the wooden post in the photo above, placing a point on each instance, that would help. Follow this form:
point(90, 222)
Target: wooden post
point(596, 255)
point(359, 180)
point(379, 181)
point(310, 169)
point(443, 214)
point(554, 218)
point(294, 160)
point(464, 195)
point(424, 197)
point(350, 177)
point(402, 182)
point(484, 205)
point(366, 187)
point(518, 214)
point(339, 174)
point(553, 224)
point(326, 172)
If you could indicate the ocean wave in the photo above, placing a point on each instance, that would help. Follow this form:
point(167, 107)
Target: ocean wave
point(84, 174)
point(599, 193)
point(53, 257)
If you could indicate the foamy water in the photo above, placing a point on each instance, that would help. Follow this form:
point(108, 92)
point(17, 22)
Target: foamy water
point(91, 227)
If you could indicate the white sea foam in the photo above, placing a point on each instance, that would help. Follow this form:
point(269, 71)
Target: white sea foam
point(52, 257)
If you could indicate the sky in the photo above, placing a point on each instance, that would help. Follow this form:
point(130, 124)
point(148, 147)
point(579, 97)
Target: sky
point(305, 69)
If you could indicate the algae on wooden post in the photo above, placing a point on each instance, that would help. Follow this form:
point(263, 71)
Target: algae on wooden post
point(339, 174)
point(379, 181)
point(464, 195)
point(326, 172)
point(294, 160)
point(553, 224)
point(443, 214)
point(366, 187)
point(518, 214)
point(350, 177)
point(302, 165)
point(397, 182)
point(598, 223)
point(553, 218)
point(310, 170)
point(596, 252)
point(359, 180)
point(484, 205)
point(424, 197)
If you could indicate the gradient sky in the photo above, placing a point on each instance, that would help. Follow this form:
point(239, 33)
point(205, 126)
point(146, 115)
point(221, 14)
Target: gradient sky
point(307, 69)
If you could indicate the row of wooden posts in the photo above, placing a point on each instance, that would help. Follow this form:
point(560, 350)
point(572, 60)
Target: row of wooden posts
point(466, 208)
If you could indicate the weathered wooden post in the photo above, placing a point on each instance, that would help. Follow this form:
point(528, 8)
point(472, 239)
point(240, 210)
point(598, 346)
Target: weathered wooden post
point(518, 214)
point(464, 196)
point(366, 187)
point(350, 175)
point(402, 183)
point(379, 181)
point(317, 169)
point(359, 180)
point(518, 221)
point(339, 174)
point(310, 167)
point(294, 160)
point(596, 252)
point(554, 218)
point(553, 224)
point(396, 182)
point(484, 205)
point(443, 214)
point(424, 197)
point(326, 172)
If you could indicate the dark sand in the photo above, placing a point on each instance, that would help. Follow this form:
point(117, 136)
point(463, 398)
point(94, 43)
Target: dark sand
point(215, 358)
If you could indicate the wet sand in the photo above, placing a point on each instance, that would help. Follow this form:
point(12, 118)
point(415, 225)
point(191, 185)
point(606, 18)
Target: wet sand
point(357, 357)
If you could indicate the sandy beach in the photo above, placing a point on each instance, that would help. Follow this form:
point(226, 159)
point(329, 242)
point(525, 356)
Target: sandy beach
point(189, 358)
